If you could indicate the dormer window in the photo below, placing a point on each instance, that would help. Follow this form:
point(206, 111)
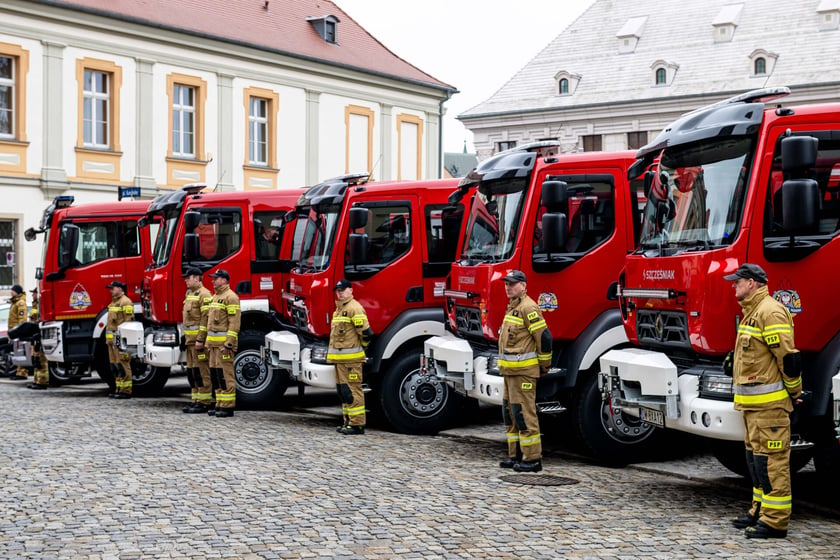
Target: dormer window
point(566, 82)
point(326, 27)
point(630, 33)
point(762, 62)
point(829, 14)
point(726, 21)
point(663, 73)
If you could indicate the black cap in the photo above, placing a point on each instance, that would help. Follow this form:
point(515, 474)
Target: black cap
point(116, 284)
point(17, 288)
point(221, 273)
point(342, 284)
point(193, 271)
point(748, 271)
point(515, 276)
point(34, 290)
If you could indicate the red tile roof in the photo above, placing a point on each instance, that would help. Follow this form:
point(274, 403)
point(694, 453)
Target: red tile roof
point(280, 27)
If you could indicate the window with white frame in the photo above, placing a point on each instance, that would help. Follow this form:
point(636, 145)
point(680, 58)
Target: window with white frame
point(7, 97)
point(96, 108)
point(258, 131)
point(183, 121)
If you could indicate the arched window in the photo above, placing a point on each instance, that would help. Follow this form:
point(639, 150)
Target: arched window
point(660, 77)
point(564, 86)
point(760, 66)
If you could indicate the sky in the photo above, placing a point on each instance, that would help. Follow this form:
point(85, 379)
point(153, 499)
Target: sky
point(474, 45)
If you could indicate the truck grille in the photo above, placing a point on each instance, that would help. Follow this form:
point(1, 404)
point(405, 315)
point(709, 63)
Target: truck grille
point(663, 328)
point(468, 320)
point(299, 317)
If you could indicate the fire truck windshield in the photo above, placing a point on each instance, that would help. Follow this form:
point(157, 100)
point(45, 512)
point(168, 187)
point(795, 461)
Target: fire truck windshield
point(696, 200)
point(493, 225)
point(316, 232)
point(164, 240)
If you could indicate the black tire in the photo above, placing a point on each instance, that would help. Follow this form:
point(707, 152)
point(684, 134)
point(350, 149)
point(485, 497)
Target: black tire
point(414, 403)
point(610, 437)
point(62, 373)
point(257, 384)
point(147, 380)
point(103, 366)
point(731, 455)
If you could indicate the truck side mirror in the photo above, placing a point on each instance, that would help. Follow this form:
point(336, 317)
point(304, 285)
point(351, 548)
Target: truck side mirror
point(554, 194)
point(357, 245)
point(68, 245)
point(648, 182)
point(30, 234)
point(358, 218)
point(799, 153)
point(555, 230)
point(800, 204)
point(190, 246)
point(191, 220)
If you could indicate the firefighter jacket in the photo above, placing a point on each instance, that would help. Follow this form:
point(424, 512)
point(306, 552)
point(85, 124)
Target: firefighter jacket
point(765, 338)
point(17, 312)
point(34, 314)
point(220, 325)
point(119, 311)
point(524, 341)
point(349, 333)
point(196, 303)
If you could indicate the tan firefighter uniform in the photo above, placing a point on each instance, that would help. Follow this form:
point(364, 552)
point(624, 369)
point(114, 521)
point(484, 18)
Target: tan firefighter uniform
point(39, 361)
point(521, 359)
point(120, 311)
point(221, 338)
point(764, 391)
point(196, 304)
point(17, 315)
point(349, 336)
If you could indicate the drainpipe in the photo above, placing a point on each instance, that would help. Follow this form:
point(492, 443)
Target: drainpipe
point(440, 132)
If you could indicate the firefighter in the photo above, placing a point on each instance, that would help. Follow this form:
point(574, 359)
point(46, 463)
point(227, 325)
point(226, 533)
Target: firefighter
point(119, 311)
point(524, 354)
point(350, 334)
point(767, 382)
point(220, 335)
point(196, 304)
point(39, 361)
point(17, 315)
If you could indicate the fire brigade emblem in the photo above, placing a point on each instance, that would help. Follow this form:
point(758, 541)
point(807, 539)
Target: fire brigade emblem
point(79, 298)
point(790, 299)
point(547, 301)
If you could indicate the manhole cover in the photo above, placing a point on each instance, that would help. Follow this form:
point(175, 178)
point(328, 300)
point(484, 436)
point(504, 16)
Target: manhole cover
point(539, 479)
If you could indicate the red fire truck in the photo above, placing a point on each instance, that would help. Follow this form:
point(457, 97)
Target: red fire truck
point(738, 181)
point(241, 232)
point(395, 242)
point(567, 221)
point(86, 247)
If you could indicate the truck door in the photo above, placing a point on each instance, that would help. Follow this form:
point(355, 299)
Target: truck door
point(390, 278)
point(442, 224)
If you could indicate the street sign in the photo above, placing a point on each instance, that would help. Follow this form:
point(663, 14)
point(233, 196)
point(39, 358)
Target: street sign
point(128, 192)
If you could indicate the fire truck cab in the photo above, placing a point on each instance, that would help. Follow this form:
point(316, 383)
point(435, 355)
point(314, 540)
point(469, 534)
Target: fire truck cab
point(739, 181)
point(85, 247)
point(395, 242)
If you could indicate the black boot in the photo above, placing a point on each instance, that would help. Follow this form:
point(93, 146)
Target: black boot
point(353, 430)
point(746, 520)
point(761, 530)
point(528, 466)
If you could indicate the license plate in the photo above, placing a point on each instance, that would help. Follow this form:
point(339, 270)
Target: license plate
point(652, 416)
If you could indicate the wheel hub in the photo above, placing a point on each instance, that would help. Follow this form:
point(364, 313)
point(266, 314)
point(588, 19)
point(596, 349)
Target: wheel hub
point(622, 427)
point(250, 370)
point(422, 395)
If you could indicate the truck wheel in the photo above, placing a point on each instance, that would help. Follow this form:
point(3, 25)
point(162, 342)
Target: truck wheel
point(257, 384)
point(610, 437)
point(62, 373)
point(103, 366)
point(147, 380)
point(415, 403)
point(731, 455)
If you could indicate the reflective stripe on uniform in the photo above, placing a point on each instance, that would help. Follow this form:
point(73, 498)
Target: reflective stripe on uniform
point(752, 331)
point(232, 308)
point(341, 319)
point(794, 383)
point(759, 394)
point(345, 354)
point(225, 397)
point(537, 326)
point(528, 441)
point(512, 437)
point(513, 320)
point(115, 308)
point(757, 494)
point(518, 360)
point(355, 411)
point(234, 334)
point(191, 329)
point(216, 336)
point(776, 502)
point(544, 357)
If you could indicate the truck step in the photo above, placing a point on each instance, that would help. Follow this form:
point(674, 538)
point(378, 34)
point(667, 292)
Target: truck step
point(551, 407)
point(366, 388)
point(799, 444)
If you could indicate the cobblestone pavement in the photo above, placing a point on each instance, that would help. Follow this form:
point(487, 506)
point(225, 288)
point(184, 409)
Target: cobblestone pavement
point(90, 477)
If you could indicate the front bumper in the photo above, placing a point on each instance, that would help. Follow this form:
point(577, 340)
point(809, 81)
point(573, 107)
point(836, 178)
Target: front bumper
point(639, 382)
point(51, 341)
point(283, 350)
point(452, 360)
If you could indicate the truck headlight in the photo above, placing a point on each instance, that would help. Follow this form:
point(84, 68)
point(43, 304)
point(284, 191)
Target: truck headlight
point(165, 338)
point(716, 386)
point(319, 354)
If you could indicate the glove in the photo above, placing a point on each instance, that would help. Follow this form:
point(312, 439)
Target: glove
point(728, 363)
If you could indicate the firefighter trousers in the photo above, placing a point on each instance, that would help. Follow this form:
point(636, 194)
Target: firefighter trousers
point(221, 374)
point(42, 372)
point(198, 374)
point(519, 412)
point(767, 441)
point(122, 365)
point(349, 386)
